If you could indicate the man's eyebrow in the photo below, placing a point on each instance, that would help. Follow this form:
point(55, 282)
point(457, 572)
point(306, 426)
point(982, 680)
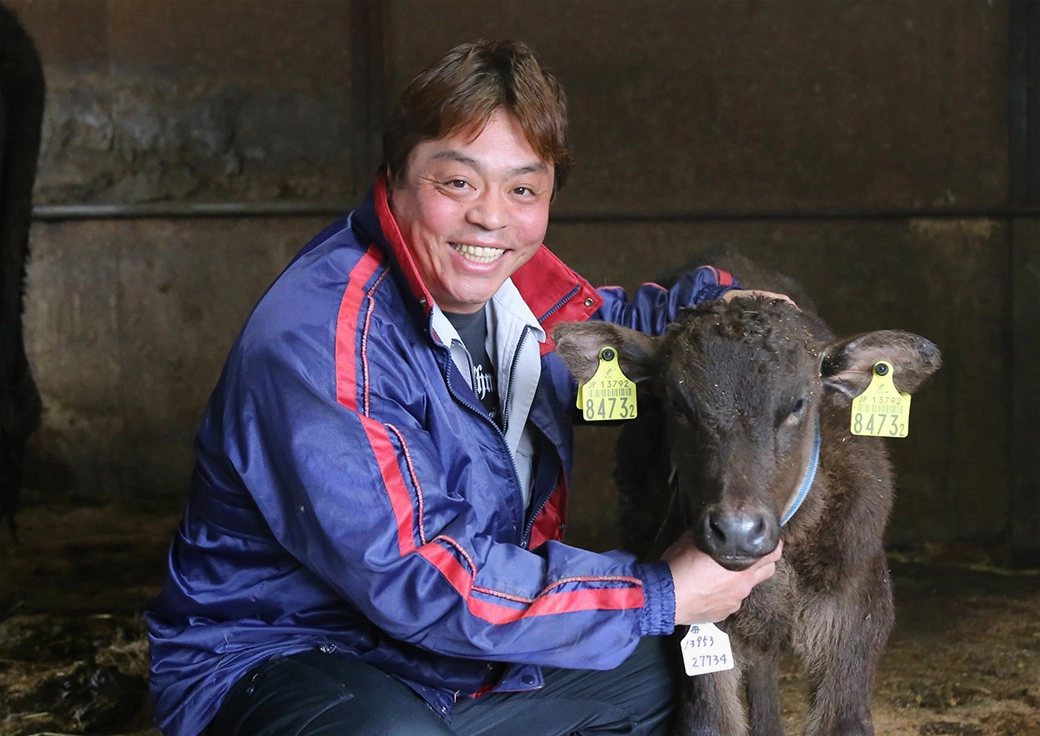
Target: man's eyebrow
point(537, 168)
point(453, 155)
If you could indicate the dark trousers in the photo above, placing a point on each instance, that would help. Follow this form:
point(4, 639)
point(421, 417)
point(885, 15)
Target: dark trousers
point(317, 694)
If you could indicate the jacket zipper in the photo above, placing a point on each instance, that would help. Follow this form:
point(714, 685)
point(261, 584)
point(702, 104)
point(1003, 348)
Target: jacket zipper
point(483, 415)
point(545, 501)
point(525, 539)
point(566, 298)
point(512, 372)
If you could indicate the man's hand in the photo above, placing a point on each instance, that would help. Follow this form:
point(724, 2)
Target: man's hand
point(737, 293)
point(704, 590)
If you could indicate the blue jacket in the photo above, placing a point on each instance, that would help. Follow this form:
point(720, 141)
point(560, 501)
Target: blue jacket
point(350, 494)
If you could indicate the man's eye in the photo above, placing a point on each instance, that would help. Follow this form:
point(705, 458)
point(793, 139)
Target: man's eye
point(523, 191)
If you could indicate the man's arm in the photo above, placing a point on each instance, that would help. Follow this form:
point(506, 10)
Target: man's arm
point(652, 307)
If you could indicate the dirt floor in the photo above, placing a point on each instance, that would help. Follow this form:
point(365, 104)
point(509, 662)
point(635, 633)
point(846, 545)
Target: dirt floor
point(964, 658)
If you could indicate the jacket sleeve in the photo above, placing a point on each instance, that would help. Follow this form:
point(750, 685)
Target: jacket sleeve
point(354, 486)
point(652, 307)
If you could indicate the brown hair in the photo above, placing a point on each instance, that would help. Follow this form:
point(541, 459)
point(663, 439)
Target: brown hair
point(459, 94)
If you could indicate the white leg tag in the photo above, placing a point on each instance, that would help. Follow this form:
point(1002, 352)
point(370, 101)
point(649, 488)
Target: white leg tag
point(705, 648)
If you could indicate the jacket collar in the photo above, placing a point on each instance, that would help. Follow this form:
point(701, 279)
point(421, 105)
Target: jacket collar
point(553, 291)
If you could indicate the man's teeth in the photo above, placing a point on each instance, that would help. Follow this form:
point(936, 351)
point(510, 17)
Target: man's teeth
point(477, 253)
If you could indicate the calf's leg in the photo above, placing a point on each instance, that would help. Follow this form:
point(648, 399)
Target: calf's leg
point(711, 706)
point(842, 640)
point(763, 697)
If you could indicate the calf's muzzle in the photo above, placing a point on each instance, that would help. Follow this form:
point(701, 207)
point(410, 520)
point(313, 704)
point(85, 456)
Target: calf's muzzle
point(736, 538)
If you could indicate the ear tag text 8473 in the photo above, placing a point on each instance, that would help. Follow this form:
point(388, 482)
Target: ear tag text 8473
point(882, 410)
point(609, 394)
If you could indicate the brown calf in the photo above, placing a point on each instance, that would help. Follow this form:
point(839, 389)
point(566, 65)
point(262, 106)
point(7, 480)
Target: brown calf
point(733, 399)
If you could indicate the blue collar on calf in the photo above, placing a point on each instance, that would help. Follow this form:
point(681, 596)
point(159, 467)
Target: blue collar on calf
point(807, 480)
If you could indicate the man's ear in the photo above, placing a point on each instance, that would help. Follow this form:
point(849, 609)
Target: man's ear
point(848, 364)
point(579, 343)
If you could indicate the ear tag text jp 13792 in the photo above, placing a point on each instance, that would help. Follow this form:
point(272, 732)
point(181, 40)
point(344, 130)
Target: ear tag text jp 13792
point(882, 410)
point(608, 394)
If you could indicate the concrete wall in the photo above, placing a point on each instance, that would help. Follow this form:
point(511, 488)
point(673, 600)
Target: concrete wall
point(806, 132)
point(176, 99)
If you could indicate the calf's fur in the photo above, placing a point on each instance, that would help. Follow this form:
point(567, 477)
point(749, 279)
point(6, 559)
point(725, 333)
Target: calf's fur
point(729, 402)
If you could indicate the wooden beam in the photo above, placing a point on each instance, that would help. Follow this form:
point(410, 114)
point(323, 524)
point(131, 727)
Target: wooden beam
point(1024, 190)
point(368, 88)
point(1025, 392)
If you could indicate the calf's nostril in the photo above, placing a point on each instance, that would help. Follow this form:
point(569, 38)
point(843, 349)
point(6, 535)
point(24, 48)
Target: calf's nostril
point(716, 529)
point(758, 531)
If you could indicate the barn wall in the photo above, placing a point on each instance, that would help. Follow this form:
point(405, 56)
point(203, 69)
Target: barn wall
point(826, 139)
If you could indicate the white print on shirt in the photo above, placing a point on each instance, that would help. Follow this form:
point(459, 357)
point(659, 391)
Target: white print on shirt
point(484, 387)
point(483, 383)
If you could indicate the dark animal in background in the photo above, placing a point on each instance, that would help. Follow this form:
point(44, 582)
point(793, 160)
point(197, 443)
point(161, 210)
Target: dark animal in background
point(731, 403)
point(21, 117)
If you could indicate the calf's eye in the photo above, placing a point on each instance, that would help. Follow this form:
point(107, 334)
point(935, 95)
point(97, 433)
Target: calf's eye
point(682, 408)
point(794, 413)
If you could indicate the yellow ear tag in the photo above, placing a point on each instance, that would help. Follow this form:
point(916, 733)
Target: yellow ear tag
point(608, 394)
point(882, 410)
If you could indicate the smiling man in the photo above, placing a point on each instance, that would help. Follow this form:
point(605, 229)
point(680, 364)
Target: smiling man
point(373, 541)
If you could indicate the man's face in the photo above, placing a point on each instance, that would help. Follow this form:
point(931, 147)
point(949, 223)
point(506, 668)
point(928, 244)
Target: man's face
point(473, 211)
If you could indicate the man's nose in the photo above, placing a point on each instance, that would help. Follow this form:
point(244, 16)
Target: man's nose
point(489, 211)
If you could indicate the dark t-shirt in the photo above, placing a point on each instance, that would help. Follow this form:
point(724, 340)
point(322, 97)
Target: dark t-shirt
point(472, 328)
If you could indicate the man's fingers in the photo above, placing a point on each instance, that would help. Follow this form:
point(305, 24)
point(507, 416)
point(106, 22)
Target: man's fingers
point(737, 293)
point(765, 572)
point(766, 567)
point(773, 556)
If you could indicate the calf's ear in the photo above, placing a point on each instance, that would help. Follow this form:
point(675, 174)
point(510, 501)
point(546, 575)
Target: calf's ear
point(848, 364)
point(579, 343)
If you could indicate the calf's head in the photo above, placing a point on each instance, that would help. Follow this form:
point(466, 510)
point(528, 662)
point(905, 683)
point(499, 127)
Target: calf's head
point(740, 386)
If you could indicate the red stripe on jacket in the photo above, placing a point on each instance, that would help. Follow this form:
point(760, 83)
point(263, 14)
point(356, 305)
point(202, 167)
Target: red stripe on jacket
point(347, 392)
point(546, 604)
point(346, 327)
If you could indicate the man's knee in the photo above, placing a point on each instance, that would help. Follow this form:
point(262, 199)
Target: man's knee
point(653, 675)
point(316, 694)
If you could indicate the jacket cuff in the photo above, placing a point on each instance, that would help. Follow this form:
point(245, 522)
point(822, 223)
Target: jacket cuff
point(658, 615)
point(712, 283)
point(715, 291)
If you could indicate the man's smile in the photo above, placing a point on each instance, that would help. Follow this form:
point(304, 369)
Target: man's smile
point(478, 253)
